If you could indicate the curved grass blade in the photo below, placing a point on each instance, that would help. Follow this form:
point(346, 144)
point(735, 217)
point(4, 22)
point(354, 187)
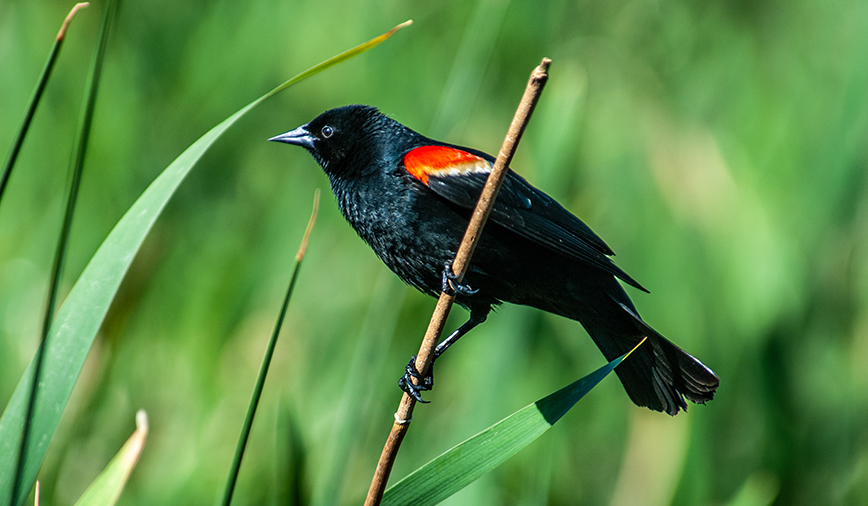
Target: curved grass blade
point(464, 463)
point(34, 99)
point(107, 488)
point(79, 318)
point(266, 361)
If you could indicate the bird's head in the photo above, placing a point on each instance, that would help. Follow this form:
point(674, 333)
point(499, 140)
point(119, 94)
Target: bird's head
point(345, 141)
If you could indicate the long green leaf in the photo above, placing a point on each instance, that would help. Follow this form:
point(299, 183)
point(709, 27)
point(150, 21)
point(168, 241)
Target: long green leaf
point(464, 463)
point(78, 320)
point(107, 488)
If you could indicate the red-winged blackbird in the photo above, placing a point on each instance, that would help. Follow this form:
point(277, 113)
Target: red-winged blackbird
point(410, 198)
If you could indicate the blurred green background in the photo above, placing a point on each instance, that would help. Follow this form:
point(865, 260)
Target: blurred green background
point(720, 149)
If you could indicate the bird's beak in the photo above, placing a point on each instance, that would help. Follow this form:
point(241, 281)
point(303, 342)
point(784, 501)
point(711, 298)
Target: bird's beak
point(300, 137)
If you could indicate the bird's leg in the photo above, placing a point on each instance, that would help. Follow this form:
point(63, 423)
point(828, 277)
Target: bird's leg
point(426, 382)
point(451, 286)
point(476, 317)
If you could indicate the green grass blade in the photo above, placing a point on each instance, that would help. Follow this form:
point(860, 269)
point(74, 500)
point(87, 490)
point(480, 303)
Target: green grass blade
point(107, 488)
point(79, 318)
point(266, 361)
point(35, 98)
point(334, 60)
point(464, 463)
point(21, 487)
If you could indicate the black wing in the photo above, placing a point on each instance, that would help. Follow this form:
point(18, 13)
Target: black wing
point(519, 206)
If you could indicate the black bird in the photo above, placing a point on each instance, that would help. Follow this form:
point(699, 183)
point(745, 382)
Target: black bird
point(410, 198)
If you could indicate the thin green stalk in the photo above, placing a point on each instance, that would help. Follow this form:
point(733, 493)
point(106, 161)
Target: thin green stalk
point(35, 98)
point(266, 362)
point(76, 167)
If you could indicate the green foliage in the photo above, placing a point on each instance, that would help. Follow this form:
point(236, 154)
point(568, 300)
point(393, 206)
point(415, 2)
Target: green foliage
point(467, 461)
point(19, 466)
point(718, 148)
point(75, 326)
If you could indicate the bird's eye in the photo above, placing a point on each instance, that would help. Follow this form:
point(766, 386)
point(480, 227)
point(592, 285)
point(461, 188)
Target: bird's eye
point(327, 132)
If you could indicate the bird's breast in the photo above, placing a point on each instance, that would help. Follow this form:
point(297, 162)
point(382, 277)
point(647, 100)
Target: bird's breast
point(411, 232)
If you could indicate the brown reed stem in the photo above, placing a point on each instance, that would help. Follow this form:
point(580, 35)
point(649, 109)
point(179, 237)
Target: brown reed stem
point(538, 78)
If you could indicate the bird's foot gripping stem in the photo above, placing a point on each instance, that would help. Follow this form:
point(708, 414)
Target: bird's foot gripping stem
point(425, 382)
point(450, 284)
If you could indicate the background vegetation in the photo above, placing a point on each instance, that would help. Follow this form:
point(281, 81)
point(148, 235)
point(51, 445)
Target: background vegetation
point(720, 149)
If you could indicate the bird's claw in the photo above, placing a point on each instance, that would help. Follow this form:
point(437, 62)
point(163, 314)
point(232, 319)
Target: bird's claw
point(450, 284)
point(425, 382)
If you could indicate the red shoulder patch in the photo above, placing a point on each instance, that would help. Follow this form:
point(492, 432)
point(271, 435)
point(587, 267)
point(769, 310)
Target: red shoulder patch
point(439, 161)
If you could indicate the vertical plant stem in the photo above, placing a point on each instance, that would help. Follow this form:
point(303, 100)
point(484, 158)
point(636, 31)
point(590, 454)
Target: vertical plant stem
point(76, 167)
point(538, 78)
point(34, 99)
point(266, 362)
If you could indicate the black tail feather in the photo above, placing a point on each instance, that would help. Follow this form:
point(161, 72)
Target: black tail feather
point(659, 374)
